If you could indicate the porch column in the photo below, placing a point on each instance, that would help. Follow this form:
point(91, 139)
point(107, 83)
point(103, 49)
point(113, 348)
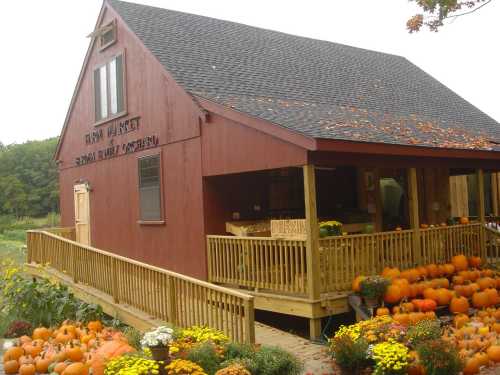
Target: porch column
point(312, 245)
point(481, 209)
point(494, 193)
point(414, 214)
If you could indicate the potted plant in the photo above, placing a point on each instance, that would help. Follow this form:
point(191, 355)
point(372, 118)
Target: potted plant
point(372, 289)
point(158, 341)
point(330, 228)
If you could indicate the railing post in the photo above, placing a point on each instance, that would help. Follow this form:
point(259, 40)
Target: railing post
point(114, 280)
point(414, 214)
point(29, 247)
point(74, 262)
point(312, 245)
point(209, 260)
point(249, 321)
point(481, 211)
point(171, 302)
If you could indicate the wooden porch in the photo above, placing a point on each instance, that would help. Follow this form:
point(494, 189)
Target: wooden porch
point(311, 277)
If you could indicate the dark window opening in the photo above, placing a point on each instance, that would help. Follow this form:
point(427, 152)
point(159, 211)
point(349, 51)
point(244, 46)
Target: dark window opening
point(150, 188)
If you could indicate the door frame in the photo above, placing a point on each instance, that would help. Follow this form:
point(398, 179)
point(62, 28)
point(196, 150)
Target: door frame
point(78, 189)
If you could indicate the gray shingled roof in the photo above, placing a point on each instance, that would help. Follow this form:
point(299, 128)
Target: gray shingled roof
point(318, 88)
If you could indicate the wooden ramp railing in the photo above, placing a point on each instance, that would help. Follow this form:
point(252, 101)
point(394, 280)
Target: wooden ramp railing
point(165, 295)
point(492, 245)
point(279, 265)
point(68, 232)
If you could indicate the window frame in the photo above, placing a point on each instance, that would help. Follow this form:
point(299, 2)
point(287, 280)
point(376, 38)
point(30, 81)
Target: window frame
point(102, 46)
point(124, 111)
point(146, 155)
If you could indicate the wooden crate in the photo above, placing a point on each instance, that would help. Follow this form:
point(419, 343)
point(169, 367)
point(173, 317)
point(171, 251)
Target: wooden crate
point(254, 228)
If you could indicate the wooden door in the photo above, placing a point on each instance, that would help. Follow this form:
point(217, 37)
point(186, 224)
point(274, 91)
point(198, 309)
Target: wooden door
point(82, 214)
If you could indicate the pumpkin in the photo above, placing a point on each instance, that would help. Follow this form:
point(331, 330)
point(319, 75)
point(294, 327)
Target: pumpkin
point(390, 273)
point(11, 367)
point(458, 280)
point(87, 337)
point(60, 367)
point(480, 300)
point(496, 327)
point(431, 293)
point(493, 296)
point(471, 366)
point(114, 348)
point(402, 318)
point(460, 320)
point(449, 269)
point(443, 283)
point(460, 262)
point(76, 368)
point(74, 353)
point(430, 315)
point(482, 359)
point(14, 352)
point(464, 220)
point(404, 288)
point(95, 326)
point(488, 272)
point(494, 353)
point(25, 360)
point(415, 369)
point(42, 364)
point(356, 285)
point(408, 307)
point(474, 275)
point(27, 369)
point(422, 272)
point(392, 294)
point(64, 337)
point(41, 333)
point(432, 270)
point(475, 261)
point(414, 290)
point(382, 311)
point(459, 305)
point(424, 305)
point(424, 226)
point(444, 296)
point(33, 349)
point(486, 282)
point(69, 327)
point(24, 339)
point(416, 317)
point(475, 287)
point(96, 364)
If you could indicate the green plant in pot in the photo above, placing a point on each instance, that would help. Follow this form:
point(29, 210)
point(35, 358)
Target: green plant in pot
point(373, 289)
point(330, 228)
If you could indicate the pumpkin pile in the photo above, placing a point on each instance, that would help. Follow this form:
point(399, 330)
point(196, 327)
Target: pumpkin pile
point(71, 349)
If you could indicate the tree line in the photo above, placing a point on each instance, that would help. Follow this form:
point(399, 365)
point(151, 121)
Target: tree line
point(28, 178)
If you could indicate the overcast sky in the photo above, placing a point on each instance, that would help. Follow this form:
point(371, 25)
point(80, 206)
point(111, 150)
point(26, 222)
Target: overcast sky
point(44, 42)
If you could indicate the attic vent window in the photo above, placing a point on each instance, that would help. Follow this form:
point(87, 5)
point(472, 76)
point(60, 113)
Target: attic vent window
point(107, 35)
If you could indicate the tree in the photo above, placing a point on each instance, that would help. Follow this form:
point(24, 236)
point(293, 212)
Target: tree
point(436, 11)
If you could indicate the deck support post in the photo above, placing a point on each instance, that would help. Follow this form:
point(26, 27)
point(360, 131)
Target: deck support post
point(414, 214)
point(494, 193)
point(481, 211)
point(312, 244)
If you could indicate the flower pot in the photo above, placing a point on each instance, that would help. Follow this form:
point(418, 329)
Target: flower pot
point(371, 302)
point(160, 353)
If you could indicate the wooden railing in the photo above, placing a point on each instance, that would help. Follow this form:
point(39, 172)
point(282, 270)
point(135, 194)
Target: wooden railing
point(439, 244)
point(258, 263)
point(492, 245)
point(165, 295)
point(345, 257)
point(279, 265)
point(68, 232)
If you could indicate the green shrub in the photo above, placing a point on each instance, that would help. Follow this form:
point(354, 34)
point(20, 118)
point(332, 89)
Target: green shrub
point(424, 330)
point(350, 355)
point(206, 356)
point(233, 351)
point(15, 235)
point(133, 337)
point(439, 358)
point(275, 361)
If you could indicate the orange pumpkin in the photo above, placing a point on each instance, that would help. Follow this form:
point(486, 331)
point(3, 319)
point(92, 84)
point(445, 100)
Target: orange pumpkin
point(42, 364)
point(74, 353)
point(487, 272)
point(27, 369)
point(11, 367)
point(480, 300)
point(460, 262)
point(390, 273)
point(393, 294)
point(114, 348)
point(449, 269)
point(95, 326)
point(475, 261)
point(382, 311)
point(493, 296)
point(13, 353)
point(64, 337)
point(424, 305)
point(444, 296)
point(356, 284)
point(416, 317)
point(471, 366)
point(76, 368)
point(402, 318)
point(494, 353)
point(97, 365)
point(60, 367)
point(432, 270)
point(460, 320)
point(431, 293)
point(459, 305)
point(404, 288)
point(422, 271)
point(41, 333)
point(464, 220)
point(496, 327)
point(486, 282)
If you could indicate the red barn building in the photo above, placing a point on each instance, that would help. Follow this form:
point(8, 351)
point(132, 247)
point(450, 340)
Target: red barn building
point(180, 124)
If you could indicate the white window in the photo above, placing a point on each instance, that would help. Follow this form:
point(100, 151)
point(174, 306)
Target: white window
point(108, 89)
